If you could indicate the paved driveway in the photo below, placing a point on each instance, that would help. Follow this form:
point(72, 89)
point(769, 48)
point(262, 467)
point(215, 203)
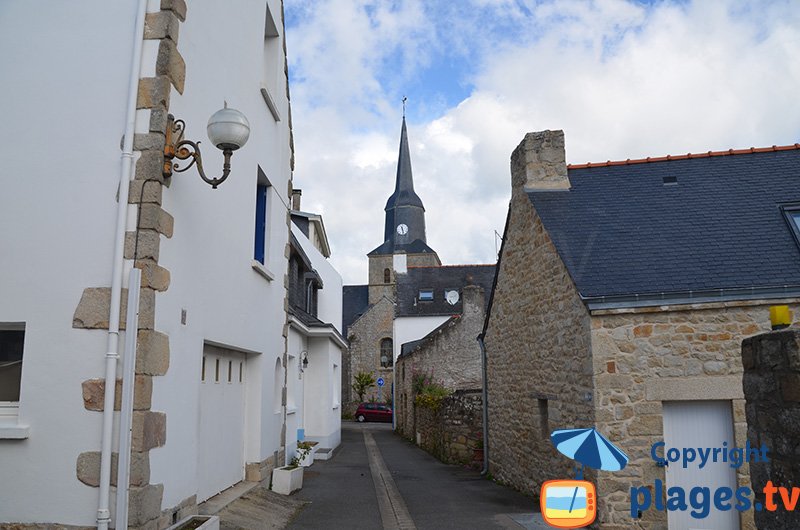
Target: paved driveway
point(378, 480)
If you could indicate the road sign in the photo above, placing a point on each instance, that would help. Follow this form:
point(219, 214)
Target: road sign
point(380, 381)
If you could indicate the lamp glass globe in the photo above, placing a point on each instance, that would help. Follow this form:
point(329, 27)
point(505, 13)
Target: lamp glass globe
point(228, 129)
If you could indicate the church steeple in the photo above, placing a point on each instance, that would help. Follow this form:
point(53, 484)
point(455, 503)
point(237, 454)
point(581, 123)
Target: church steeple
point(404, 206)
point(404, 230)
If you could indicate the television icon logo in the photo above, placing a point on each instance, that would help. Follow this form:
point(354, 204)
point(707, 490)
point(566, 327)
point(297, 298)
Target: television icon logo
point(568, 503)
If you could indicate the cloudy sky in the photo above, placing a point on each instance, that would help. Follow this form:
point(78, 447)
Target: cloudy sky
point(623, 79)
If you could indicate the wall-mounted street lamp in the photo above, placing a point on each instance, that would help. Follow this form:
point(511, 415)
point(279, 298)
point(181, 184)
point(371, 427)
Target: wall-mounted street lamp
point(303, 363)
point(228, 129)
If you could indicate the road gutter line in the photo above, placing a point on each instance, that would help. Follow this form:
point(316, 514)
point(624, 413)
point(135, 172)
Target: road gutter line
point(394, 512)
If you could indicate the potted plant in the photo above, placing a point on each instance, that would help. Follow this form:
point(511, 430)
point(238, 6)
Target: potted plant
point(199, 522)
point(287, 479)
point(305, 453)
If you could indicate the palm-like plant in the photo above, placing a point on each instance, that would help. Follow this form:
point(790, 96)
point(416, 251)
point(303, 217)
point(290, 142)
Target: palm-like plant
point(363, 382)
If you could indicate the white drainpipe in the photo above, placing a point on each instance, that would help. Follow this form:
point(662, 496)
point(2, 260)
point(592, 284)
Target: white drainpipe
point(112, 344)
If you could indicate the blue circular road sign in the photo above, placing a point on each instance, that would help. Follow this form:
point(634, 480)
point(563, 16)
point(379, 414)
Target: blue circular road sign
point(380, 381)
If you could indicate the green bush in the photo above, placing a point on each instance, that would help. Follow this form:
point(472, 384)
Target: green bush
point(428, 393)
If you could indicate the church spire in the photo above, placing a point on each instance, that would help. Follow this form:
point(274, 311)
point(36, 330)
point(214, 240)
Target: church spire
point(404, 194)
point(404, 231)
point(405, 214)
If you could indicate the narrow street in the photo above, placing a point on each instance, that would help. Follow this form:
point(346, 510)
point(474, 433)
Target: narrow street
point(378, 480)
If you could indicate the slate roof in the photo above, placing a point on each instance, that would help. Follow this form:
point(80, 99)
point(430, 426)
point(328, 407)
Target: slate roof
point(439, 279)
point(355, 302)
point(417, 246)
point(312, 322)
point(622, 230)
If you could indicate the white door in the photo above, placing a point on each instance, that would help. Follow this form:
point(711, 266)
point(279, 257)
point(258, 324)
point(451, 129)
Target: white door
point(221, 428)
point(696, 424)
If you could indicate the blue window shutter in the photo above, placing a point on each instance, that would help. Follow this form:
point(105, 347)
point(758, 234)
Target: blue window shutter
point(261, 222)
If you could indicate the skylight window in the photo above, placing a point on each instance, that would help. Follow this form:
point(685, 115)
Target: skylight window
point(426, 295)
point(792, 215)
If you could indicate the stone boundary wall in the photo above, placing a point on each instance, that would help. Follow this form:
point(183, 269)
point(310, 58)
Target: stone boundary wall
point(454, 432)
point(772, 392)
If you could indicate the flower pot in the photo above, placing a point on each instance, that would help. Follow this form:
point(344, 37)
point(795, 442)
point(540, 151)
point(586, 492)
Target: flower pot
point(286, 480)
point(308, 459)
point(199, 522)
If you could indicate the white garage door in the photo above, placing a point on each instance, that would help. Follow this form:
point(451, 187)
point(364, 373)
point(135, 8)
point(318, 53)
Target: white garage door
point(700, 424)
point(221, 428)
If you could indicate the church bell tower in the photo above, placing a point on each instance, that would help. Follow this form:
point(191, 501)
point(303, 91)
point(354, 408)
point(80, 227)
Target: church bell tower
point(404, 243)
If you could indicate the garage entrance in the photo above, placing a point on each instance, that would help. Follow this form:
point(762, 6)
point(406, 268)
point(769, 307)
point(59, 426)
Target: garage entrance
point(221, 420)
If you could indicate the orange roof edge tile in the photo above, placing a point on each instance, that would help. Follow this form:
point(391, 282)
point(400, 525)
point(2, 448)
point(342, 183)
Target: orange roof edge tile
point(684, 157)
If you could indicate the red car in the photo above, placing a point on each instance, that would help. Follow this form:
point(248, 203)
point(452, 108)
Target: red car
point(374, 412)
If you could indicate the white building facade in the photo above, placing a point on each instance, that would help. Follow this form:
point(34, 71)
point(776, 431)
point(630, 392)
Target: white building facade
point(84, 124)
point(314, 394)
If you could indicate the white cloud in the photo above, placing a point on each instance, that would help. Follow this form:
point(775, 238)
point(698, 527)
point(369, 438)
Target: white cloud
point(623, 79)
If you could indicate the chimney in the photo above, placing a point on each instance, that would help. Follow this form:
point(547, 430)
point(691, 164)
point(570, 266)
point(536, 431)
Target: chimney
point(296, 194)
point(473, 301)
point(539, 162)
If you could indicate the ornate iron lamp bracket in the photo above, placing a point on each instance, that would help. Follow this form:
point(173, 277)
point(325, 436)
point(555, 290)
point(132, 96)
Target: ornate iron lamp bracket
point(176, 147)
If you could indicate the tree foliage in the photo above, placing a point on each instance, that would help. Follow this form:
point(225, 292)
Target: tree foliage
point(363, 382)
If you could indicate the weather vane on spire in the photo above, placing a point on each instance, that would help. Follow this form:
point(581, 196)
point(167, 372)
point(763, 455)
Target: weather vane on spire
point(404, 105)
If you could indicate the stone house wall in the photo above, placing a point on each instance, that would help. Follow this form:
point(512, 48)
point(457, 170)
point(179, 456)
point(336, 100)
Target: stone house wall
point(643, 357)
point(772, 392)
point(365, 335)
point(450, 354)
point(539, 367)
point(639, 358)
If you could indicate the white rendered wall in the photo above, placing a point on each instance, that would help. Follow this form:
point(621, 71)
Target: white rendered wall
point(63, 93)
point(329, 302)
point(408, 329)
point(318, 412)
point(322, 414)
point(211, 251)
point(294, 391)
point(58, 212)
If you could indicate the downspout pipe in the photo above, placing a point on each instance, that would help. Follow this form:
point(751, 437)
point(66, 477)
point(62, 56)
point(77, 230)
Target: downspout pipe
point(485, 387)
point(112, 343)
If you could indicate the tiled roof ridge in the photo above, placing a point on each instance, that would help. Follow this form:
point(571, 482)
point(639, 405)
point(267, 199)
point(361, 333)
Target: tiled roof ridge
point(450, 266)
point(685, 157)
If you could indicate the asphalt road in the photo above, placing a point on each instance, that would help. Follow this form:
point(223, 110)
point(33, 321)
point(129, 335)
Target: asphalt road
point(378, 480)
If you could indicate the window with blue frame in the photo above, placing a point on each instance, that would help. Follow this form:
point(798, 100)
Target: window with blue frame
point(262, 208)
